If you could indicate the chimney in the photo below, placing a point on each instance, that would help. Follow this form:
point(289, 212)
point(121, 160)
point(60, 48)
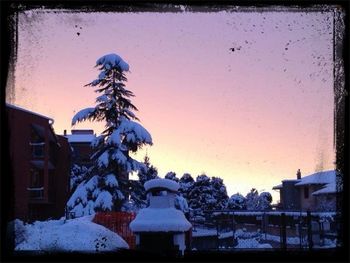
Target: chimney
point(65, 132)
point(298, 174)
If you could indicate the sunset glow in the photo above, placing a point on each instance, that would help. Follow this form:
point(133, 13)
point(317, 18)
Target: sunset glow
point(252, 115)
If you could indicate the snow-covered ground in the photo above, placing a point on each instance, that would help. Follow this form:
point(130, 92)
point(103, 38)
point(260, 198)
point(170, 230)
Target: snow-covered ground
point(78, 234)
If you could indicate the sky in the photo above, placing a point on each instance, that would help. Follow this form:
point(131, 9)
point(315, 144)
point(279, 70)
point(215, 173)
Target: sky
point(245, 96)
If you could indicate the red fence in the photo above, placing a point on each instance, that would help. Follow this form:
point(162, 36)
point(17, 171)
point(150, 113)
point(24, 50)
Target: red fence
point(118, 222)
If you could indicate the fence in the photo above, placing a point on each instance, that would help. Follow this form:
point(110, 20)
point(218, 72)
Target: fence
point(118, 222)
point(256, 229)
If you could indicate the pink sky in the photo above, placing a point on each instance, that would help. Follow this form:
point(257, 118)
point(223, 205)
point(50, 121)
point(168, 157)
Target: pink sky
point(252, 116)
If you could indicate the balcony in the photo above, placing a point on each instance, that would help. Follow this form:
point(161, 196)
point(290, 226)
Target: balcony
point(36, 193)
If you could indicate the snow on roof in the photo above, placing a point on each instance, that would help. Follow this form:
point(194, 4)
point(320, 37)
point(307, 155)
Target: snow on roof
point(325, 177)
point(280, 186)
point(160, 220)
point(162, 183)
point(328, 189)
point(80, 137)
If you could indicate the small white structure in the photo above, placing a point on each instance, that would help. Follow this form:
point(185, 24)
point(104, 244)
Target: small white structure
point(161, 227)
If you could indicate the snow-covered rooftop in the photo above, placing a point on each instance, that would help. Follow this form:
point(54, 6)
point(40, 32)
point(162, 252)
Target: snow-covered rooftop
point(328, 189)
point(324, 177)
point(80, 137)
point(162, 183)
point(160, 220)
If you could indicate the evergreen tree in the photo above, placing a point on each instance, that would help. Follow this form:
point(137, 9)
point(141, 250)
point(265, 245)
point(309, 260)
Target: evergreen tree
point(237, 202)
point(219, 193)
point(201, 196)
point(265, 199)
point(78, 174)
point(171, 176)
point(257, 202)
point(252, 199)
point(186, 185)
point(107, 188)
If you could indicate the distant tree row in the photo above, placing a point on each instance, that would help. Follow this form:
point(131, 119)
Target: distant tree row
point(202, 194)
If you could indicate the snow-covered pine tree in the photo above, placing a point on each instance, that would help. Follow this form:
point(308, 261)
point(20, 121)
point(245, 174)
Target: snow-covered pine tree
point(108, 184)
point(236, 202)
point(138, 193)
point(171, 176)
point(186, 185)
point(219, 193)
point(77, 175)
point(252, 200)
point(201, 196)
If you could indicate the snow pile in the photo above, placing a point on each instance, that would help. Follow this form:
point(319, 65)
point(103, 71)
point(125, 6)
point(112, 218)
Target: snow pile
point(73, 235)
point(160, 220)
point(162, 183)
point(181, 204)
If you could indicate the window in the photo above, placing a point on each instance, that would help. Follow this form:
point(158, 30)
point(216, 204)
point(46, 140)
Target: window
point(306, 192)
point(36, 188)
point(36, 141)
point(37, 149)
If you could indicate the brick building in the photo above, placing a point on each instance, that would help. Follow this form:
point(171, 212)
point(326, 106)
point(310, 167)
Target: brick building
point(40, 166)
point(80, 141)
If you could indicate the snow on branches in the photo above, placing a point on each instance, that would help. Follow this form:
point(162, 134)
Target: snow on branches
point(122, 135)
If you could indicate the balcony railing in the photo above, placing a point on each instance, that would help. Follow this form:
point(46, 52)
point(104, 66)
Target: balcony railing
point(36, 193)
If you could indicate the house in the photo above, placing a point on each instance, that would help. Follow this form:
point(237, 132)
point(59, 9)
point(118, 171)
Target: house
point(80, 141)
point(314, 192)
point(39, 166)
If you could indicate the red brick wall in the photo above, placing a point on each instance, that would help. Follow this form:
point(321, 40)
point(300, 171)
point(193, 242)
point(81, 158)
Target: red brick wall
point(19, 131)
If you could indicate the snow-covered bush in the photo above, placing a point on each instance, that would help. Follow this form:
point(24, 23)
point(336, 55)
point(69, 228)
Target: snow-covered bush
point(257, 202)
point(107, 186)
point(236, 202)
point(264, 203)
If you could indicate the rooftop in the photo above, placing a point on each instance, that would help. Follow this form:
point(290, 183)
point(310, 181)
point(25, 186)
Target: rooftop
point(80, 137)
point(28, 111)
